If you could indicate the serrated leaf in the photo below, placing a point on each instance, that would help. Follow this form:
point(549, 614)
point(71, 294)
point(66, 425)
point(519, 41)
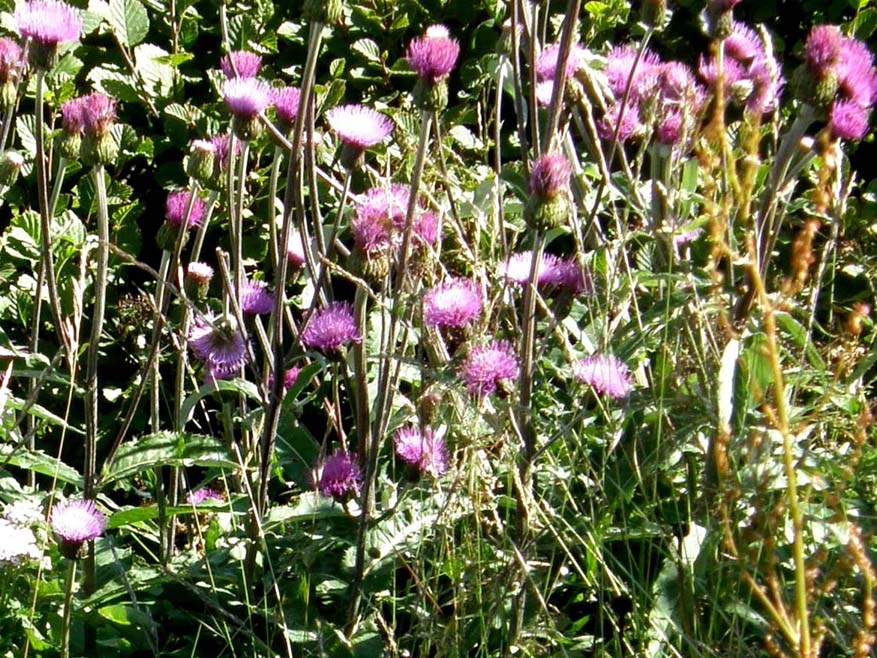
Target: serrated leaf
point(167, 449)
point(129, 21)
point(368, 49)
point(158, 77)
point(39, 462)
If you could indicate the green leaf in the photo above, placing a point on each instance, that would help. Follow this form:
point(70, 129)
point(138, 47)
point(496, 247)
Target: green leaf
point(116, 613)
point(167, 449)
point(232, 385)
point(133, 515)
point(368, 49)
point(39, 462)
point(129, 21)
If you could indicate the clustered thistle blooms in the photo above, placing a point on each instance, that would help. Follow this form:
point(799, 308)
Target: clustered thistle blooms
point(838, 76)
point(219, 344)
point(46, 24)
point(87, 122)
point(240, 64)
point(452, 304)
point(76, 522)
point(422, 449)
point(491, 367)
point(338, 476)
point(331, 328)
point(606, 374)
point(433, 56)
point(358, 127)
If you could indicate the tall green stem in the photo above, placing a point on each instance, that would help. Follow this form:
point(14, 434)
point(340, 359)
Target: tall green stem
point(68, 609)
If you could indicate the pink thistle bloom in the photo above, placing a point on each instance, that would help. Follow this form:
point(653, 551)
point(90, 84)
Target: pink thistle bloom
point(176, 205)
point(455, 303)
point(490, 366)
point(245, 63)
point(767, 86)
point(857, 80)
point(565, 274)
point(200, 272)
point(619, 63)
point(200, 495)
point(743, 44)
point(359, 126)
point(48, 22)
point(848, 120)
point(221, 144)
point(77, 521)
point(378, 212)
point(330, 328)
point(245, 98)
point(677, 83)
point(434, 55)
point(546, 62)
point(255, 298)
point(286, 102)
point(11, 60)
point(607, 375)
point(289, 378)
point(670, 129)
point(426, 228)
point(423, 450)
point(732, 72)
point(550, 175)
point(72, 116)
point(630, 123)
point(219, 344)
point(822, 49)
point(338, 476)
point(517, 268)
point(98, 112)
point(295, 250)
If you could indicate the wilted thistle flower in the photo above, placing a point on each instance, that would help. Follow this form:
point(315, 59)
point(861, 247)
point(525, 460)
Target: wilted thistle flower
point(201, 164)
point(548, 205)
point(76, 522)
point(422, 449)
point(200, 495)
point(197, 280)
point(455, 304)
point(255, 298)
point(246, 98)
point(286, 103)
point(46, 24)
point(330, 328)
point(219, 344)
point(433, 56)
point(606, 374)
point(338, 476)
point(490, 367)
point(240, 64)
point(17, 543)
point(11, 66)
point(358, 127)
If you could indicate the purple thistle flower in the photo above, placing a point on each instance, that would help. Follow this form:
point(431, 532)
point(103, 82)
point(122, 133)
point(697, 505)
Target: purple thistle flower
point(565, 274)
point(75, 522)
point(670, 128)
point(98, 112)
point(607, 375)
point(848, 120)
point(767, 86)
point(619, 63)
point(219, 344)
point(338, 476)
point(200, 272)
point(490, 366)
point(11, 60)
point(359, 126)
point(221, 144)
point(454, 303)
point(743, 44)
point(330, 328)
point(48, 22)
point(72, 116)
point(517, 268)
point(246, 64)
point(630, 123)
point(387, 204)
point(255, 298)
point(550, 175)
point(733, 72)
point(295, 250)
point(857, 80)
point(822, 49)
point(434, 55)
point(423, 450)
point(290, 377)
point(176, 205)
point(546, 62)
point(677, 83)
point(286, 102)
point(200, 495)
point(426, 228)
point(245, 98)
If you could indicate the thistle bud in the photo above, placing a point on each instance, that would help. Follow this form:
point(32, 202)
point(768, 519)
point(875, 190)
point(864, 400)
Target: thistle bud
point(11, 163)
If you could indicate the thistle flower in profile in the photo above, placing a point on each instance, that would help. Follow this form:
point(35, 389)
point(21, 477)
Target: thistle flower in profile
point(490, 367)
point(550, 175)
point(255, 298)
point(433, 56)
point(176, 206)
point(426, 228)
point(358, 127)
point(856, 77)
point(198, 496)
point(848, 120)
point(17, 543)
point(564, 274)
point(295, 250)
point(222, 143)
point(454, 303)
point(286, 102)
point(422, 449)
point(822, 49)
point(546, 62)
point(246, 98)
point(46, 24)
point(330, 328)
point(219, 344)
point(98, 113)
point(606, 374)
point(240, 64)
point(338, 476)
point(76, 522)
point(628, 124)
point(516, 269)
point(620, 68)
point(197, 280)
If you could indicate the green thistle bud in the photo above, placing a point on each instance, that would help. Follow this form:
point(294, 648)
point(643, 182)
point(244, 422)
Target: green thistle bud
point(247, 129)
point(8, 95)
point(372, 267)
point(431, 96)
point(202, 160)
point(99, 149)
point(546, 213)
point(69, 145)
point(329, 12)
point(167, 235)
point(654, 13)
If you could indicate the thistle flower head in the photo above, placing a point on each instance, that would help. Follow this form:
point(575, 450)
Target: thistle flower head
point(546, 62)
point(219, 344)
point(72, 116)
point(255, 298)
point(359, 126)
point(619, 65)
point(423, 449)
point(178, 203)
point(240, 64)
point(295, 249)
point(822, 48)
point(286, 102)
point(434, 55)
point(379, 212)
point(488, 367)
point(606, 374)
point(670, 128)
point(338, 476)
point(848, 120)
point(98, 113)
point(426, 228)
point(48, 22)
point(550, 175)
point(743, 44)
point(198, 278)
point(17, 543)
point(330, 328)
point(628, 124)
point(856, 77)
point(11, 60)
point(566, 274)
point(517, 268)
point(245, 98)
point(455, 303)
point(200, 495)
point(221, 144)
point(77, 521)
